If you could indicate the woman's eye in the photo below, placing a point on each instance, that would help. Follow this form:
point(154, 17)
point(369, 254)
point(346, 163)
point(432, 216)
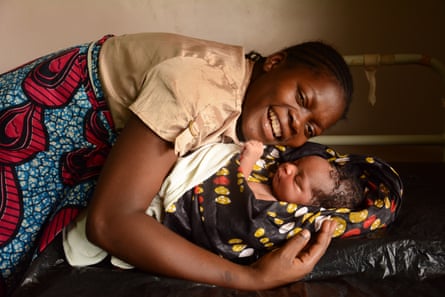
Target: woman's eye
point(301, 98)
point(310, 131)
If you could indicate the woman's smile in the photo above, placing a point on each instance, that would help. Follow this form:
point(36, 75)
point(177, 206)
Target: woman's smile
point(274, 123)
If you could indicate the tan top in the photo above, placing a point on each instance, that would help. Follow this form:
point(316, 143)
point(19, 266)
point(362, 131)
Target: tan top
point(188, 91)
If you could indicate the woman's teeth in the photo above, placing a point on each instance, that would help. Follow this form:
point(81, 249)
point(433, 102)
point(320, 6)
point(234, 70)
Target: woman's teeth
point(274, 123)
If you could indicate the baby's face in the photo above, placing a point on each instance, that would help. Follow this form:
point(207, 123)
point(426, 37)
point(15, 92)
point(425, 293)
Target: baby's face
point(295, 181)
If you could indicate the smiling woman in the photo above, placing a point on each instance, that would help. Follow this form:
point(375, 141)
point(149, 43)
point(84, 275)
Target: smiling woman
point(296, 97)
point(130, 105)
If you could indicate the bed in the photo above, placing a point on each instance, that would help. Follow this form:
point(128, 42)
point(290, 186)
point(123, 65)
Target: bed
point(405, 259)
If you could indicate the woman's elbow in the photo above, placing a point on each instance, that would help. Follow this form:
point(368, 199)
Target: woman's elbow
point(97, 228)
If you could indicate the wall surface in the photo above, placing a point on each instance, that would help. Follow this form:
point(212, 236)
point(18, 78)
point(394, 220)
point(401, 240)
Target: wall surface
point(409, 98)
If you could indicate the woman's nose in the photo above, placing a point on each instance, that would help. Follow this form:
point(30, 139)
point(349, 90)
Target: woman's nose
point(298, 120)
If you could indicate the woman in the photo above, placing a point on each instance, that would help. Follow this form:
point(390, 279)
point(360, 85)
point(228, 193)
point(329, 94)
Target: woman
point(164, 95)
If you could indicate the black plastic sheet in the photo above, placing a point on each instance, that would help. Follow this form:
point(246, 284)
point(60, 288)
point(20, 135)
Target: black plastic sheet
point(406, 259)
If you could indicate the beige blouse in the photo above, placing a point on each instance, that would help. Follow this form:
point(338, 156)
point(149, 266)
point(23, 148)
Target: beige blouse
point(188, 91)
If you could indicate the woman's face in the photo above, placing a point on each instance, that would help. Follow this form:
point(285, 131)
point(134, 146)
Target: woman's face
point(287, 105)
point(295, 181)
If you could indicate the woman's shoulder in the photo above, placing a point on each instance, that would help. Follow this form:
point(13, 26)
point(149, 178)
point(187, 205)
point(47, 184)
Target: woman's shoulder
point(172, 45)
point(125, 60)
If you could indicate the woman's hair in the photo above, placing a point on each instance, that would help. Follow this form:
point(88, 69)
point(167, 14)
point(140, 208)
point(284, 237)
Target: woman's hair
point(346, 193)
point(319, 57)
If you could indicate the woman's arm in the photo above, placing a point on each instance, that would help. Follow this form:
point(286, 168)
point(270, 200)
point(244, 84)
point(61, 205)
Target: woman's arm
point(117, 222)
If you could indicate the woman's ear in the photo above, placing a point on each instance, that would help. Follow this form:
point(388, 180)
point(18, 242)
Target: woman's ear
point(274, 60)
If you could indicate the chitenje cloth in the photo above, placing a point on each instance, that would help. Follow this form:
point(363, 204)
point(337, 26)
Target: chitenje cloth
point(55, 133)
point(221, 214)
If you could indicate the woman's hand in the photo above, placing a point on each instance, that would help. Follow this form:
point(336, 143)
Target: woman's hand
point(294, 260)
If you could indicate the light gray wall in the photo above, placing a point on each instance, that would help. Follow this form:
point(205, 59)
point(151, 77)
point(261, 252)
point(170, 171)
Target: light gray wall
point(408, 97)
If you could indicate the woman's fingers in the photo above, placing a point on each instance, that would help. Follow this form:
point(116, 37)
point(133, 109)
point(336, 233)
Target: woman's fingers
point(294, 260)
point(304, 255)
point(295, 246)
point(315, 250)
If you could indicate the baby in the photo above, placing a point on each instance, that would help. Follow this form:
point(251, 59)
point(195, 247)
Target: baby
point(191, 203)
point(310, 180)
